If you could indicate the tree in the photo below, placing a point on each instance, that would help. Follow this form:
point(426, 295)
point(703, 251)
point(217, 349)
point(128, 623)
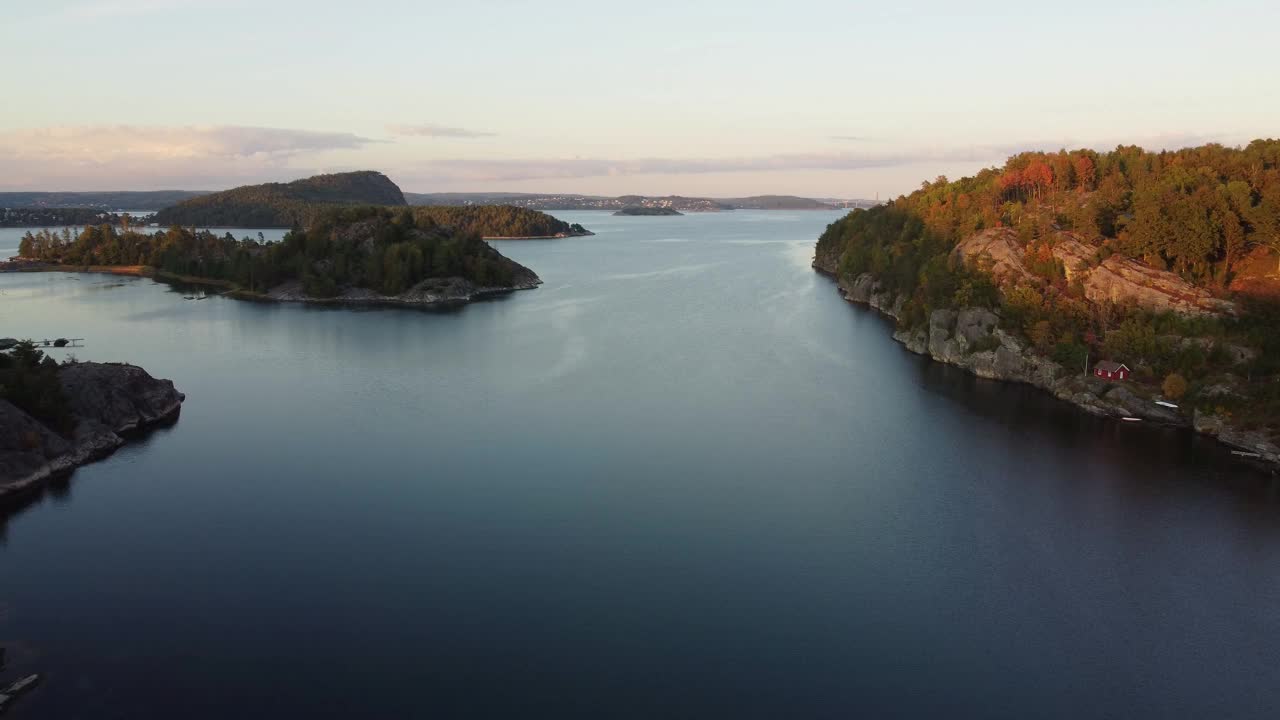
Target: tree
point(1174, 386)
point(1085, 172)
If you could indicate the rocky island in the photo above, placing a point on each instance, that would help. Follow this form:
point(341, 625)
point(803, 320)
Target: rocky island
point(55, 418)
point(643, 211)
point(346, 255)
point(1037, 271)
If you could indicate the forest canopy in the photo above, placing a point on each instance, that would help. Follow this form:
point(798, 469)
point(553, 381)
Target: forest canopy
point(1196, 212)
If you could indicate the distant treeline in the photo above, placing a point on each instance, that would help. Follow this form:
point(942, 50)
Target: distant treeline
point(57, 217)
point(106, 200)
point(384, 249)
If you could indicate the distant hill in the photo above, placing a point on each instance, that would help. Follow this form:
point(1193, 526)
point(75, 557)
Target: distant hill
point(110, 200)
point(777, 202)
point(283, 204)
point(567, 201)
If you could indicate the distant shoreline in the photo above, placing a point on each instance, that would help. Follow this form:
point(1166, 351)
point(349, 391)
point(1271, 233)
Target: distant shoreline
point(560, 236)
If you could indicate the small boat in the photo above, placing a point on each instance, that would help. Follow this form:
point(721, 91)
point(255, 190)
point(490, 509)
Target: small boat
point(1242, 453)
point(1131, 419)
point(1167, 404)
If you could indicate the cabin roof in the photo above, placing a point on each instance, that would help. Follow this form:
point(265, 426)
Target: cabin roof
point(1110, 366)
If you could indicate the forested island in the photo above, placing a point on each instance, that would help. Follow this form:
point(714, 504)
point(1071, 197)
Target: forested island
point(55, 417)
point(648, 211)
point(1164, 262)
point(499, 222)
point(346, 254)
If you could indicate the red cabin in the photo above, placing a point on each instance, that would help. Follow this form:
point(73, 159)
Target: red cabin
point(1108, 370)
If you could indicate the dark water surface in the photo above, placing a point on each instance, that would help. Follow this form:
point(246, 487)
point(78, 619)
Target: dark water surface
point(681, 479)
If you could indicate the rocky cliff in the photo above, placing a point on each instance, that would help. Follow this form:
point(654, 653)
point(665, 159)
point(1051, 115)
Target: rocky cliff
point(108, 401)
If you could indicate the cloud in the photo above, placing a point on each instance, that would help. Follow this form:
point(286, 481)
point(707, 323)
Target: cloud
point(521, 169)
point(488, 170)
point(97, 9)
point(100, 9)
point(436, 131)
point(126, 155)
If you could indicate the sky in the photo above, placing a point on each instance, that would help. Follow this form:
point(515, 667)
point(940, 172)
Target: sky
point(822, 98)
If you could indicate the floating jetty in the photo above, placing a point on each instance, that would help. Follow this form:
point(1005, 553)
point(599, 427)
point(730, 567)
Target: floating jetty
point(10, 343)
point(11, 693)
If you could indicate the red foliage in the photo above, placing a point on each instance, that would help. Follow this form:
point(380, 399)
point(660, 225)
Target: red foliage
point(1086, 174)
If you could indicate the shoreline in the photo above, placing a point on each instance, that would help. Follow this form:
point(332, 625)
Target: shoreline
point(537, 237)
point(452, 291)
point(85, 452)
point(946, 339)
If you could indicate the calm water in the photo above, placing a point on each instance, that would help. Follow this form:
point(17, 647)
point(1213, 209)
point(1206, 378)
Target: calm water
point(681, 479)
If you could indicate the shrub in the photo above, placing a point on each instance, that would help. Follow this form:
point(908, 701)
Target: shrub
point(1174, 386)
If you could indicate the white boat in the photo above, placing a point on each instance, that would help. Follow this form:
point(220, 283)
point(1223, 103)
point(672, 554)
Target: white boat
point(1131, 419)
point(1167, 404)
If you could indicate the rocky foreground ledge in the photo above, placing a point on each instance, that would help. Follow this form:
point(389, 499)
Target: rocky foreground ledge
point(971, 338)
point(108, 401)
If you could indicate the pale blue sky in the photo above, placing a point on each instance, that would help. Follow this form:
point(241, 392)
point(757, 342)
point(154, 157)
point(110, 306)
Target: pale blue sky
point(723, 98)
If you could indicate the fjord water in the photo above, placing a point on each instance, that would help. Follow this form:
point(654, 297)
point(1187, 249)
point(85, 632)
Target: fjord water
point(683, 478)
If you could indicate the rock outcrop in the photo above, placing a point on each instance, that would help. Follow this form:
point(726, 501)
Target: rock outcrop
point(1251, 442)
point(1116, 279)
point(867, 291)
point(108, 401)
point(1121, 279)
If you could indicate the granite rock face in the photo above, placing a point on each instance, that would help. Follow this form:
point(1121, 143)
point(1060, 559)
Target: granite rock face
point(26, 446)
point(107, 402)
point(1116, 279)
